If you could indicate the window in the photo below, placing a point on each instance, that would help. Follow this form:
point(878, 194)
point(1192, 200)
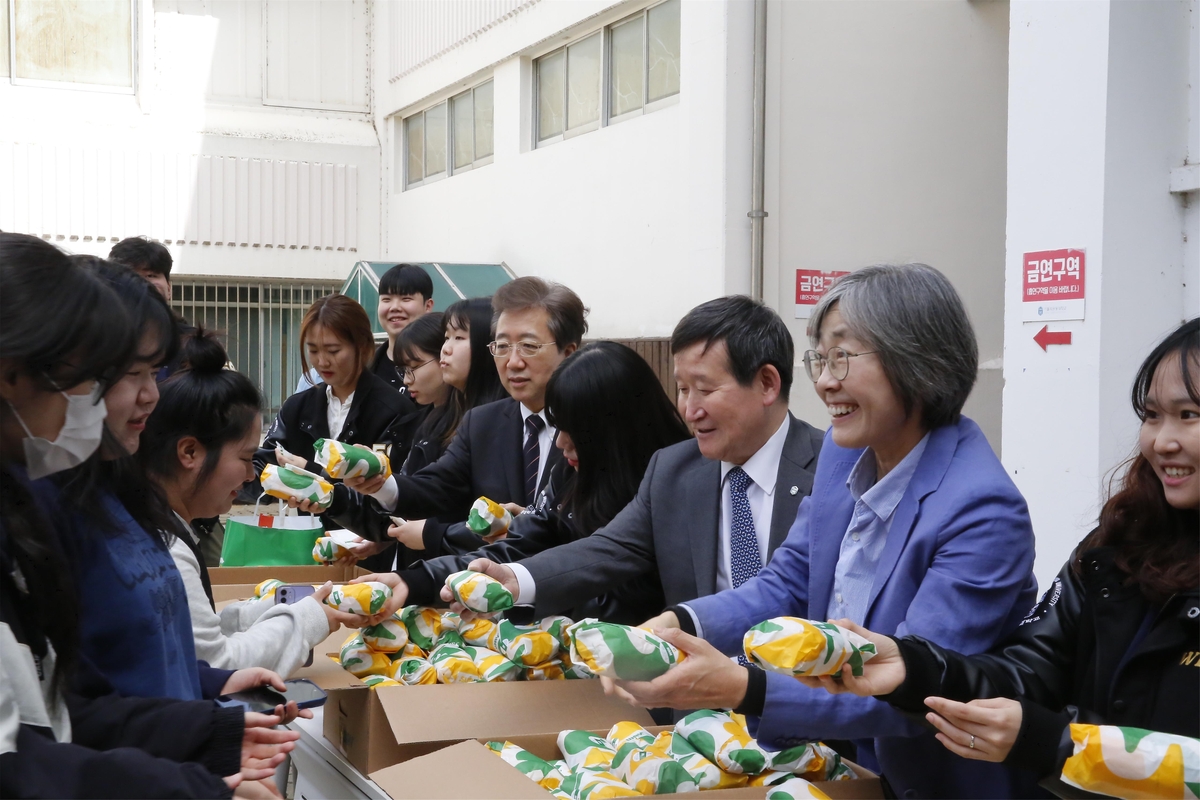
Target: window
point(619, 72)
point(450, 137)
point(81, 42)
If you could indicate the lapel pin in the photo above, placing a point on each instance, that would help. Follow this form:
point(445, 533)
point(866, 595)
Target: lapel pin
point(794, 491)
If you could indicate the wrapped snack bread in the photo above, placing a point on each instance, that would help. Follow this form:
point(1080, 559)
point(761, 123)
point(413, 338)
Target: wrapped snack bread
point(571, 670)
point(802, 648)
point(360, 660)
point(389, 636)
point(410, 650)
point(626, 732)
point(586, 784)
point(327, 551)
point(363, 599)
point(529, 765)
point(451, 621)
point(1132, 762)
point(557, 627)
point(489, 519)
point(375, 681)
point(267, 588)
point(794, 789)
point(478, 632)
point(584, 749)
point(292, 482)
point(350, 460)
point(528, 645)
point(620, 651)
point(650, 771)
point(813, 761)
point(707, 774)
point(493, 666)
point(723, 741)
point(478, 592)
point(454, 665)
point(412, 671)
point(424, 625)
point(769, 777)
point(552, 670)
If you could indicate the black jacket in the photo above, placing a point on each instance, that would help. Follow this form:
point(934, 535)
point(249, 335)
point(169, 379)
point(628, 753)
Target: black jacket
point(545, 526)
point(378, 415)
point(1071, 661)
point(120, 746)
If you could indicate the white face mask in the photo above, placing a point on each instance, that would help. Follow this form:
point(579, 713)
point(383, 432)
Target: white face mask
point(78, 439)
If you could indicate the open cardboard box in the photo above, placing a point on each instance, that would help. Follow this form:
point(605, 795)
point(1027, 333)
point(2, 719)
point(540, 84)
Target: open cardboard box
point(469, 771)
point(376, 728)
point(237, 583)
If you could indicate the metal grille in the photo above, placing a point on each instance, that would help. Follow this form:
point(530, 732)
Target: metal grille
point(260, 322)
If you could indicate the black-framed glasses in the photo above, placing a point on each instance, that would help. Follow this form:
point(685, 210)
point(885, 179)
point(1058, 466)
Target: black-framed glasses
point(410, 373)
point(838, 361)
point(524, 349)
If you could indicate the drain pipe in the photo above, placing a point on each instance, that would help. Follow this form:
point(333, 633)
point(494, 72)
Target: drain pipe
point(758, 150)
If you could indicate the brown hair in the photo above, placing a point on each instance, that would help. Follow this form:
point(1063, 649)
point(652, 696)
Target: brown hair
point(347, 320)
point(1156, 543)
point(566, 311)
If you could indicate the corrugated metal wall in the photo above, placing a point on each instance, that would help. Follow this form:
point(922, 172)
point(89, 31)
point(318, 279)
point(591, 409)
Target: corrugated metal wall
point(657, 353)
point(423, 29)
point(86, 193)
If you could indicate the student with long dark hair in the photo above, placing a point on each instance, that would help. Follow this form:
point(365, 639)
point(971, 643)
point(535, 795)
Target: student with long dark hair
point(1113, 640)
point(70, 734)
point(197, 446)
point(612, 415)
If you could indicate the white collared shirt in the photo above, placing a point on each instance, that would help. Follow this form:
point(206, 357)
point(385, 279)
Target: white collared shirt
point(545, 438)
point(336, 412)
point(763, 468)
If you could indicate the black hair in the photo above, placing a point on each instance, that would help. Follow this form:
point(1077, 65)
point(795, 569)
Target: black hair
point(483, 381)
point(1184, 341)
point(405, 279)
point(426, 333)
point(203, 400)
point(753, 334)
point(612, 405)
point(63, 327)
point(147, 309)
point(138, 252)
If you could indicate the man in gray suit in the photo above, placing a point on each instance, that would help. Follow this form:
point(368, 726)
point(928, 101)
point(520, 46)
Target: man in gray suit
point(710, 511)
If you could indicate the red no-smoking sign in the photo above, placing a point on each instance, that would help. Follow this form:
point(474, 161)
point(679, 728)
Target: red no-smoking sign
point(811, 285)
point(1053, 284)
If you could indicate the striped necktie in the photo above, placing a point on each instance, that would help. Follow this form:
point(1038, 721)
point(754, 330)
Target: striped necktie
point(533, 452)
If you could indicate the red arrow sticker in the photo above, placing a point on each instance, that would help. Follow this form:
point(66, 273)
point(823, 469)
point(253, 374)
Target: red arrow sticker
point(1045, 336)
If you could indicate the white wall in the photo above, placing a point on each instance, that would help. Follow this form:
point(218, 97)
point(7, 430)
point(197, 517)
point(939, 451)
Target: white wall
point(644, 218)
point(236, 177)
point(886, 143)
point(1098, 116)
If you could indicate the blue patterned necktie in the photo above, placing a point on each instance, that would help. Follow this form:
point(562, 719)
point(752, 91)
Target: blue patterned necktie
point(533, 452)
point(744, 558)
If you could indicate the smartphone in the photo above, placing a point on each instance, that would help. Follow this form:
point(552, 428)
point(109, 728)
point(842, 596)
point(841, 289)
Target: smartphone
point(398, 521)
point(264, 699)
point(294, 593)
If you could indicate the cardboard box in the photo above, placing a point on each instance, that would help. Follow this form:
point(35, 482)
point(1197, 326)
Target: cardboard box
point(470, 771)
point(237, 583)
point(325, 671)
point(376, 728)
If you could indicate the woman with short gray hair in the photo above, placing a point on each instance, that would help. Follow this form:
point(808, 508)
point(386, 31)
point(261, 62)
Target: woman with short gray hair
point(912, 524)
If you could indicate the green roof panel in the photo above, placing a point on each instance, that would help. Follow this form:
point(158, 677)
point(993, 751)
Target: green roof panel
point(477, 280)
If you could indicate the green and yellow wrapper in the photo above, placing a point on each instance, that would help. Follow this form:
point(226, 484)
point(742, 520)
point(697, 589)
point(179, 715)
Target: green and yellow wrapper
point(1133, 763)
point(360, 660)
point(327, 551)
point(813, 761)
point(375, 681)
point(802, 648)
point(552, 670)
point(585, 784)
point(292, 482)
point(626, 732)
point(582, 749)
point(267, 588)
point(493, 666)
point(724, 741)
point(478, 592)
point(424, 625)
point(525, 762)
point(650, 771)
point(707, 774)
point(454, 665)
point(489, 518)
point(527, 645)
point(479, 632)
point(363, 599)
point(389, 636)
point(620, 651)
point(413, 671)
point(343, 461)
point(795, 789)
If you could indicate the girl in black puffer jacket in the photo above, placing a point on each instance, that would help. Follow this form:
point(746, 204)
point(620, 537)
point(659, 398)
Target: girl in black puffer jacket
point(1116, 638)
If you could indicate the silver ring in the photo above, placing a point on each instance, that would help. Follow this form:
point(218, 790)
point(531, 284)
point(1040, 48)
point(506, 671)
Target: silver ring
point(972, 741)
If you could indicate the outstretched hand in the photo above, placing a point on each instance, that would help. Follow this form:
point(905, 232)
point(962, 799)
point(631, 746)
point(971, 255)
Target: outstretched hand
point(394, 603)
point(705, 678)
point(881, 675)
point(500, 572)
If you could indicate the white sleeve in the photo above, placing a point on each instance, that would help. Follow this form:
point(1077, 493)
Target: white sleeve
point(526, 587)
point(388, 494)
point(278, 639)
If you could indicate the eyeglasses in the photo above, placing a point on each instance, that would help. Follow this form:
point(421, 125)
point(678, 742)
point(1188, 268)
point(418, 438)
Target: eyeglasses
point(838, 361)
point(524, 349)
point(410, 373)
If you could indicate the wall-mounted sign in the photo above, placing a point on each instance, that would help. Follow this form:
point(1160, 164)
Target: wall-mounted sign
point(811, 284)
point(1052, 285)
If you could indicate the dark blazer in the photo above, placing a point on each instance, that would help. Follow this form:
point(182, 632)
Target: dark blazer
point(378, 415)
point(669, 528)
point(483, 460)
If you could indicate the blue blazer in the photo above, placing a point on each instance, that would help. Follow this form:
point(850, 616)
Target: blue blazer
point(956, 569)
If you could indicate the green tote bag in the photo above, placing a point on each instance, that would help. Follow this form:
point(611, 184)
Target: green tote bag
point(265, 540)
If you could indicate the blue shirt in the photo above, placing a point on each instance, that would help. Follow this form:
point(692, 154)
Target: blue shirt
point(862, 544)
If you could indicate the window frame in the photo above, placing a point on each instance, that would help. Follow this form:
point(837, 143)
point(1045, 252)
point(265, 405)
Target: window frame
point(451, 170)
point(606, 117)
point(37, 83)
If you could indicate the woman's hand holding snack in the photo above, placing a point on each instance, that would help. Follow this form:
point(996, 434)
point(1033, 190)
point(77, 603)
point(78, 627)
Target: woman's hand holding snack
point(881, 675)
